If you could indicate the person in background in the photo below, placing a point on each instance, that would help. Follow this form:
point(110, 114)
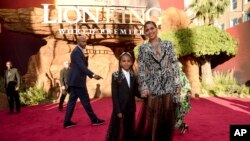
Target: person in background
point(12, 84)
point(124, 88)
point(183, 104)
point(77, 84)
point(63, 81)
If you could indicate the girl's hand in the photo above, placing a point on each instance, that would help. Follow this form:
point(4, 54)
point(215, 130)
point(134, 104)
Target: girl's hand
point(63, 87)
point(119, 115)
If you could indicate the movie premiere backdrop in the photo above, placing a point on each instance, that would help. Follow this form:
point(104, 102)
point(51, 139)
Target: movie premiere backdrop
point(45, 32)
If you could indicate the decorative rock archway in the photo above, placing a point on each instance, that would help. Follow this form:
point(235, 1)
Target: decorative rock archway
point(44, 67)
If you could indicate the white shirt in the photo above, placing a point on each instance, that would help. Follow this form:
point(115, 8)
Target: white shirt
point(127, 76)
point(84, 52)
point(80, 48)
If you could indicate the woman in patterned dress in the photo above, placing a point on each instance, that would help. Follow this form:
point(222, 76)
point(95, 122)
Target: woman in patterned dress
point(183, 106)
point(159, 82)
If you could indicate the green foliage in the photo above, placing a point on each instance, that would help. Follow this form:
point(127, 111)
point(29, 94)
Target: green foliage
point(136, 51)
point(33, 95)
point(182, 39)
point(210, 40)
point(225, 85)
point(201, 41)
point(208, 10)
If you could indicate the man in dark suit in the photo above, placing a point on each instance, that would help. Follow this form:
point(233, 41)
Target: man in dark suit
point(63, 80)
point(77, 84)
point(12, 84)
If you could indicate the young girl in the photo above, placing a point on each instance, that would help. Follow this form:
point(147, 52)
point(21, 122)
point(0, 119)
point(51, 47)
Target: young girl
point(124, 90)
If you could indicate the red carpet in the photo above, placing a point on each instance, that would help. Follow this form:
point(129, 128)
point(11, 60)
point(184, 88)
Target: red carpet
point(208, 120)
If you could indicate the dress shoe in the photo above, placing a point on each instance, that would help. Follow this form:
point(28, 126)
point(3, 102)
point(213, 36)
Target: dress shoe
point(98, 122)
point(60, 109)
point(69, 124)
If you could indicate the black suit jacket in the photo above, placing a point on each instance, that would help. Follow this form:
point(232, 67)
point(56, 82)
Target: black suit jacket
point(13, 78)
point(78, 69)
point(123, 96)
point(63, 77)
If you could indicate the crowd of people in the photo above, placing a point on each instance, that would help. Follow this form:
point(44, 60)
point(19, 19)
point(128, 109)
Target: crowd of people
point(160, 83)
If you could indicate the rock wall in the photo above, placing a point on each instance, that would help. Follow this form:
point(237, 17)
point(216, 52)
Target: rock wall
point(31, 20)
point(44, 67)
point(104, 65)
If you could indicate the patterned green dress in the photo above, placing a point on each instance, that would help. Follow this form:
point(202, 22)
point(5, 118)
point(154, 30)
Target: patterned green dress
point(183, 107)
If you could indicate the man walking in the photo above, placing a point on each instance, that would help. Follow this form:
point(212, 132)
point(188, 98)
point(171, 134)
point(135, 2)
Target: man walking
point(77, 84)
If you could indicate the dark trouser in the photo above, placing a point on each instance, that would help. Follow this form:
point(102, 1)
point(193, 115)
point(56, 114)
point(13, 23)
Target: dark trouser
point(83, 95)
point(62, 98)
point(13, 97)
point(128, 126)
point(121, 129)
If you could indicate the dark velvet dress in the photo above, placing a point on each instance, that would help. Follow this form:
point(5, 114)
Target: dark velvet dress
point(123, 96)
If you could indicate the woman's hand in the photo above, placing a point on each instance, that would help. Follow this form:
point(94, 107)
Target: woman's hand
point(178, 90)
point(119, 115)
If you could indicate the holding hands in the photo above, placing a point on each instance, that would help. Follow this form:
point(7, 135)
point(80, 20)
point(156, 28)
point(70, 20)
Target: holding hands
point(17, 88)
point(119, 115)
point(144, 93)
point(178, 90)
